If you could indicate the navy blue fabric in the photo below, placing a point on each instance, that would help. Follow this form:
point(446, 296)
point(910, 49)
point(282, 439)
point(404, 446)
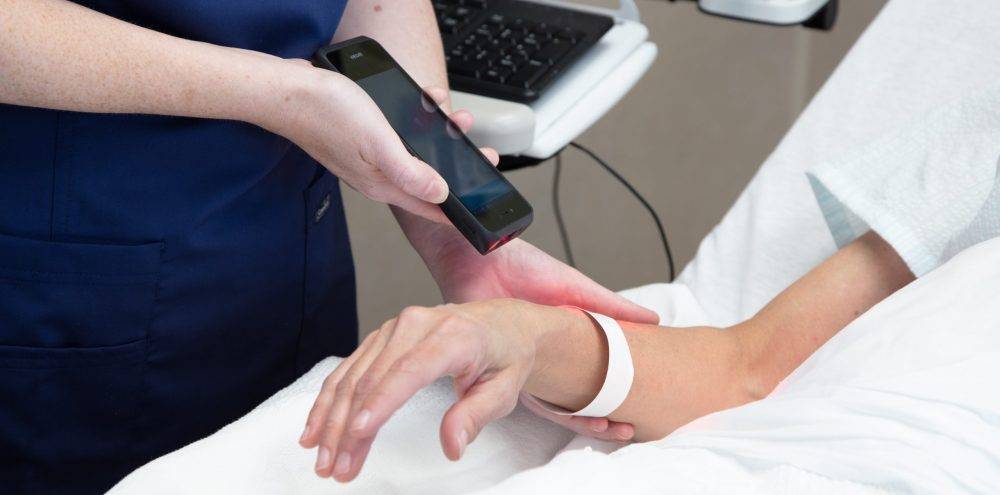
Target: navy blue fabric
point(160, 276)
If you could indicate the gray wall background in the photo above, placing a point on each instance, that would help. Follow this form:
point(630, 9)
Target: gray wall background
point(689, 136)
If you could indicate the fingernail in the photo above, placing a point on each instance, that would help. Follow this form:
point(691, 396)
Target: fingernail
point(323, 460)
point(343, 464)
point(361, 420)
point(443, 195)
point(305, 433)
point(463, 439)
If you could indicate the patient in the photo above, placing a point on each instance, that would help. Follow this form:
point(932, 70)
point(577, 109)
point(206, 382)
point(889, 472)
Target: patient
point(899, 208)
point(497, 349)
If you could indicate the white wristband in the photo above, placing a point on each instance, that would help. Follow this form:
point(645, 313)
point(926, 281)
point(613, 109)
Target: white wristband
point(618, 379)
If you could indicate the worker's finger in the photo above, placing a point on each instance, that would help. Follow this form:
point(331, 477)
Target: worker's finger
point(438, 94)
point(579, 424)
point(600, 428)
point(462, 120)
point(619, 432)
point(491, 155)
point(482, 403)
point(333, 424)
point(592, 296)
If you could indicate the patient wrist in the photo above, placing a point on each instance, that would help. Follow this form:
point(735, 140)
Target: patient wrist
point(615, 381)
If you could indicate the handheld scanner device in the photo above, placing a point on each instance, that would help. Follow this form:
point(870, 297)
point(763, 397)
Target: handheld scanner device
point(481, 203)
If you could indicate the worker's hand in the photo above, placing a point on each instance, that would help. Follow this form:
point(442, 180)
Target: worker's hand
point(515, 270)
point(339, 125)
point(599, 428)
point(488, 347)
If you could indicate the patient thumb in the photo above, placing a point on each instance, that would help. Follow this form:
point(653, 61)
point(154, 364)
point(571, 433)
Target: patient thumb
point(478, 406)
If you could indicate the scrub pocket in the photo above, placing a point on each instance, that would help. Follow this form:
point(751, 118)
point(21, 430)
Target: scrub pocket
point(73, 331)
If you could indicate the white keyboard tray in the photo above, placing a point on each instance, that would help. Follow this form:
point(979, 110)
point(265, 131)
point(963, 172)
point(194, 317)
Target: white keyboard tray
point(581, 96)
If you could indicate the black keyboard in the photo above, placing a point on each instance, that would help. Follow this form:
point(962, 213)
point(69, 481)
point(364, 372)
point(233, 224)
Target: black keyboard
point(511, 49)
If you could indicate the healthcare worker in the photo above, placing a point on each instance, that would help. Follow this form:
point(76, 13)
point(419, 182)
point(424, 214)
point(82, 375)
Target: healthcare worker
point(173, 248)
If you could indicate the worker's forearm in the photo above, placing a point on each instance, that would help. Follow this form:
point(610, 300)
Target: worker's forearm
point(408, 30)
point(685, 373)
point(56, 54)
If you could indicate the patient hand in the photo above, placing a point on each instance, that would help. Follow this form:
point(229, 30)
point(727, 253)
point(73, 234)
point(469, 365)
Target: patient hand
point(488, 347)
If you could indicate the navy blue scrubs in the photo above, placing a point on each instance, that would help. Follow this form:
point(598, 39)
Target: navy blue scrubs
point(160, 276)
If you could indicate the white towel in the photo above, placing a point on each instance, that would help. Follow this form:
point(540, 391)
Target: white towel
point(259, 453)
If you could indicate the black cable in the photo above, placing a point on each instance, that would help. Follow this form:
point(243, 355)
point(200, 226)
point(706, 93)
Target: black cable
point(563, 236)
point(649, 208)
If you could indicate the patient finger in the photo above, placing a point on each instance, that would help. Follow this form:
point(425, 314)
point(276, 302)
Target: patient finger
point(416, 369)
point(412, 319)
point(333, 425)
point(321, 406)
point(357, 461)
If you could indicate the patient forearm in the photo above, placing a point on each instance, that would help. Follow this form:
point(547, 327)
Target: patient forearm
point(680, 373)
point(685, 373)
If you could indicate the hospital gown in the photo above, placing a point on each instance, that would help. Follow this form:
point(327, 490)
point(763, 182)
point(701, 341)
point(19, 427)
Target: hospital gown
point(930, 189)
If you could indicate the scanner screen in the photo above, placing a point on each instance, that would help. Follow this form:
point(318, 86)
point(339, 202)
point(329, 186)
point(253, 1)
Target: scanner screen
point(435, 139)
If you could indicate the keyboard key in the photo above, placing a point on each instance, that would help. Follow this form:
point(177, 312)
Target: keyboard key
point(449, 25)
point(568, 35)
point(497, 75)
point(457, 53)
point(488, 30)
point(552, 52)
point(529, 74)
point(466, 68)
point(508, 48)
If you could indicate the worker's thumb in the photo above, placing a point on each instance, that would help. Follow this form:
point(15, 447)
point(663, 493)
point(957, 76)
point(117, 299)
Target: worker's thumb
point(413, 176)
